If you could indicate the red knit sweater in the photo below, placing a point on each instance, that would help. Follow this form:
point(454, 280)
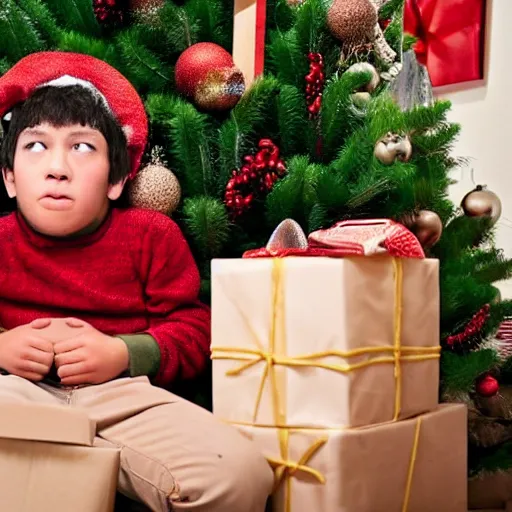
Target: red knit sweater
point(135, 274)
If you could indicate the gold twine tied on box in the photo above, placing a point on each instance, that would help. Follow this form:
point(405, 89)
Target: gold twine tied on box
point(283, 467)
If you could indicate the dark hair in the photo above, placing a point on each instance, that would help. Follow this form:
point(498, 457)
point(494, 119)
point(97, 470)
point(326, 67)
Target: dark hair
point(64, 106)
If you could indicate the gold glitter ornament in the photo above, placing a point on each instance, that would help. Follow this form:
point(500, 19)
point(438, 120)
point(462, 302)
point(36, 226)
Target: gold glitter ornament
point(155, 188)
point(352, 21)
point(221, 89)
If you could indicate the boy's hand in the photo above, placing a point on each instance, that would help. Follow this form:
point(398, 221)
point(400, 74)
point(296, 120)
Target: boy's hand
point(89, 357)
point(25, 352)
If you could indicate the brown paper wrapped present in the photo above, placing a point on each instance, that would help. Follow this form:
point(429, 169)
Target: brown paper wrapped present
point(491, 491)
point(415, 465)
point(48, 463)
point(324, 342)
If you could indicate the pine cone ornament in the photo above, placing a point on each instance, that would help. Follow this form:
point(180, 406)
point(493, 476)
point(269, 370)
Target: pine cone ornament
point(155, 188)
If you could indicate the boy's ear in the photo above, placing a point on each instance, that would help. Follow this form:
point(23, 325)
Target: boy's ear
point(115, 190)
point(10, 186)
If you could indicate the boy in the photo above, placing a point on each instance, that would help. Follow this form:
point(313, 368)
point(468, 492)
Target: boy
point(121, 282)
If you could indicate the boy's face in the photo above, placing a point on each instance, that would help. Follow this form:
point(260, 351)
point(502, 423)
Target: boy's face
point(60, 178)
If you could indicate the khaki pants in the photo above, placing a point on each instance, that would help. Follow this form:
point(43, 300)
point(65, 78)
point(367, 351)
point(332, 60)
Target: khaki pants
point(174, 455)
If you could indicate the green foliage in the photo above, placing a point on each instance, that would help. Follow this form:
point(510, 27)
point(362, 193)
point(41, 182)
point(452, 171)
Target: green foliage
point(181, 31)
point(42, 20)
point(18, 35)
point(490, 460)
point(142, 67)
point(189, 132)
point(75, 15)
point(211, 19)
point(207, 224)
point(295, 195)
point(459, 372)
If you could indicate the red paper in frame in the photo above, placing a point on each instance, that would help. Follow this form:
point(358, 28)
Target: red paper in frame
point(249, 37)
point(344, 239)
point(451, 38)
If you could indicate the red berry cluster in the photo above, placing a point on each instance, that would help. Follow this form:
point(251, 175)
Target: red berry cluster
point(471, 330)
point(108, 11)
point(315, 81)
point(256, 176)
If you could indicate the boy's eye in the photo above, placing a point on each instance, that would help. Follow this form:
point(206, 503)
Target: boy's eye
point(36, 147)
point(83, 147)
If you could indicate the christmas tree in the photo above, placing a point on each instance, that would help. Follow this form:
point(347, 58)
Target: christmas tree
point(322, 135)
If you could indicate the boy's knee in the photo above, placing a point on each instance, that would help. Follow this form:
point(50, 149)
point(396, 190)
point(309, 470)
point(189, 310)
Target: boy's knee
point(240, 480)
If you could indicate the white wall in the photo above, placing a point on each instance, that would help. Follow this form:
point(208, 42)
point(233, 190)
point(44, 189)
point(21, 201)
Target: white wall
point(484, 109)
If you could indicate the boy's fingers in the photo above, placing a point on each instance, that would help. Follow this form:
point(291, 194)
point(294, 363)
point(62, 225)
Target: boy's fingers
point(75, 322)
point(42, 357)
point(42, 345)
point(33, 367)
point(40, 323)
point(67, 345)
point(75, 380)
point(67, 358)
point(72, 370)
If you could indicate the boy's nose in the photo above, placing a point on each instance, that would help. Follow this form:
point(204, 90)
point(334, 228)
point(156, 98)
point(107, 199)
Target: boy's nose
point(57, 175)
point(58, 168)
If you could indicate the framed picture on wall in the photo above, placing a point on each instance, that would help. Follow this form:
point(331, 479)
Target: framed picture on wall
point(450, 37)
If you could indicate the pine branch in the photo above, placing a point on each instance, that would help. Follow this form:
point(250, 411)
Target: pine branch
point(459, 372)
point(42, 19)
point(214, 24)
point(4, 66)
point(295, 194)
point(207, 223)
point(441, 140)
point(293, 122)
point(392, 8)
point(142, 67)
point(100, 48)
point(423, 118)
point(18, 36)
point(189, 130)
point(181, 31)
point(310, 24)
point(280, 15)
point(76, 15)
point(385, 116)
point(339, 115)
point(285, 58)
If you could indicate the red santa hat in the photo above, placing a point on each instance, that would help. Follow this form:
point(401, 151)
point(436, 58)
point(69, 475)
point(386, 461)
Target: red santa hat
point(65, 68)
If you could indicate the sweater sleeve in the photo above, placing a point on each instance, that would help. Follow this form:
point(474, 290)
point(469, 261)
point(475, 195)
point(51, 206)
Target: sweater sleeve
point(178, 321)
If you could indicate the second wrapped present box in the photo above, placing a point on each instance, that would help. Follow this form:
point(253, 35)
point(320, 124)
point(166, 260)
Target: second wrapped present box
point(324, 342)
point(415, 465)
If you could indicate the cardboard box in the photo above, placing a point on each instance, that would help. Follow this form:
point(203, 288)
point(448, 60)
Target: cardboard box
point(491, 491)
point(368, 469)
point(369, 324)
point(48, 463)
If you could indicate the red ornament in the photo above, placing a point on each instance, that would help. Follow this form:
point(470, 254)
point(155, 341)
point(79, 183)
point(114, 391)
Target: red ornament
point(472, 329)
point(255, 178)
point(206, 72)
point(109, 12)
point(315, 81)
point(487, 386)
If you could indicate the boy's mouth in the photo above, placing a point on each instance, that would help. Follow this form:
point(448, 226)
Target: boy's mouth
point(54, 201)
